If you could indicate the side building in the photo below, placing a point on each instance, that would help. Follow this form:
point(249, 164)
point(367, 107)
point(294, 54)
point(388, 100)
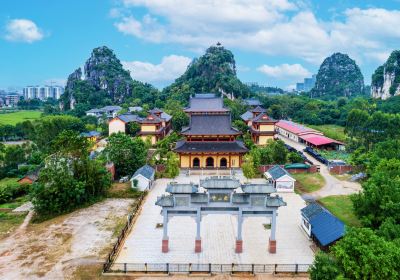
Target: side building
point(210, 140)
point(261, 126)
point(155, 126)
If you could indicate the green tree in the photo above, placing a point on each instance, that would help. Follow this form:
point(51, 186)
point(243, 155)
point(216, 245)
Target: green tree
point(128, 154)
point(249, 170)
point(324, 267)
point(361, 254)
point(172, 165)
point(294, 157)
point(70, 178)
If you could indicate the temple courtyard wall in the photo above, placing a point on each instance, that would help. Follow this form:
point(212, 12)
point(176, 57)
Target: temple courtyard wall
point(218, 234)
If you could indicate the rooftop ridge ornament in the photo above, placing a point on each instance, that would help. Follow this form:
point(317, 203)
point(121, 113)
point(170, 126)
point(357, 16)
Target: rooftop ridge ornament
point(220, 197)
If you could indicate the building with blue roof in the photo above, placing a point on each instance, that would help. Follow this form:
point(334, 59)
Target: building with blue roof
point(321, 225)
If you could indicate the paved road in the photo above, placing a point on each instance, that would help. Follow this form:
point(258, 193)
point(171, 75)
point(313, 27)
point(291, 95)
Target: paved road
point(333, 186)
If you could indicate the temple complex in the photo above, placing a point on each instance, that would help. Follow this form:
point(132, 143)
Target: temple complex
point(220, 195)
point(210, 140)
point(261, 126)
point(155, 126)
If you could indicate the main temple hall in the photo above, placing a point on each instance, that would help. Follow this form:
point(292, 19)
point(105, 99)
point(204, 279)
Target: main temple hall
point(210, 140)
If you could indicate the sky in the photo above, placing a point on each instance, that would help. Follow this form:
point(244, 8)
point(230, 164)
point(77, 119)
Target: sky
point(275, 42)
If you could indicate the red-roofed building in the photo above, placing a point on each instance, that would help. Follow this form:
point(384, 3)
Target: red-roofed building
point(321, 142)
point(306, 135)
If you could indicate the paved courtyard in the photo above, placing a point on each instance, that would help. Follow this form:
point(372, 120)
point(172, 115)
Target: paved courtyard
point(218, 233)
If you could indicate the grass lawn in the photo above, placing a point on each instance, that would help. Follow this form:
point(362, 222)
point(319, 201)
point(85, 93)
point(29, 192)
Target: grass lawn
point(308, 182)
point(332, 131)
point(342, 207)
point(9, 222)
point(20, 116)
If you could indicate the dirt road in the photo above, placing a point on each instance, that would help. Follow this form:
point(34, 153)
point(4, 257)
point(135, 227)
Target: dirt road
point(333, 186)
point(53, 249)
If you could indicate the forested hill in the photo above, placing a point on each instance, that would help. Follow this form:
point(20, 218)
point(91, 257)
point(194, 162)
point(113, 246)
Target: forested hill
point(215, 71)
point(338, 75)
point(104, 82)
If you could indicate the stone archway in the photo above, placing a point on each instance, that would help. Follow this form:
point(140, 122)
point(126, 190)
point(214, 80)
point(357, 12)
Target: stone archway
point(196, 162)
point(210, 162)
point(223, 162)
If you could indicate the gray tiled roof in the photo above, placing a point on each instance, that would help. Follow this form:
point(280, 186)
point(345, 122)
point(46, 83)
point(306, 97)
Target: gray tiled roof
point(247, 116)
point(258, 109)
point(240, 198)
point(165, 116)
point(155, 111)
point(95, 111)
point(258, 188)
point(181, 188)
point(206, 103)
point(252, 102)
point(128, 117)
point(275, 201)
point(199, 198)
point(277, 172)
point(111, 108)
point(165, 201)
point(220, 183)
point(135, 109)
point(210, 125)
point(194, 147)
point(146, 171)
point(264, 118)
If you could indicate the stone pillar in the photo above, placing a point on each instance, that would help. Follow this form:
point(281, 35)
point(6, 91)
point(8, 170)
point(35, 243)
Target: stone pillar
point(239, 241)
point(272, 240)
point(197, 244)
point(164, 245)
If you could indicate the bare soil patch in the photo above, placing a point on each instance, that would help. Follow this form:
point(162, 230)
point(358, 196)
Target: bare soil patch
point(55, 248)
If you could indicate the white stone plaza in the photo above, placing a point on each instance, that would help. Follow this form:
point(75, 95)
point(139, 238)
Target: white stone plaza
point(218, 233)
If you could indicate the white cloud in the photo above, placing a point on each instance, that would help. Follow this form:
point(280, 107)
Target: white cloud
point(170, 68)
point(285, 71)
point(23, 30)
point(273, 27)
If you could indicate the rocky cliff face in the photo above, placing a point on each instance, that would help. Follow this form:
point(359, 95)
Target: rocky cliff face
point(386, 78)
point(338, 76)
point(104, 81)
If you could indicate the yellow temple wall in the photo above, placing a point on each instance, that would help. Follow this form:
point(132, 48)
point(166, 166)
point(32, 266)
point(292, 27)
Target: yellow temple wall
point(262, 140)
point(185, 160)
point(148, 128)
point(267, 127)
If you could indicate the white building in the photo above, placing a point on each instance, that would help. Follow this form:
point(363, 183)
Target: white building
point(108, 111)
point(280, 178)
point(42, 92)
point(144, 177)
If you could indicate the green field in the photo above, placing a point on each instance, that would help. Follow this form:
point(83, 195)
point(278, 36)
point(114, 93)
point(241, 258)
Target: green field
point(332, 131)
point(308, 182)
point(342, 207)
point(20, 116)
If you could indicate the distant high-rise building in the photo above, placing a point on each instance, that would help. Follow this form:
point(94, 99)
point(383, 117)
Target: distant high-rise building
point(299, 86)
point(42, 92)
point(307, 85)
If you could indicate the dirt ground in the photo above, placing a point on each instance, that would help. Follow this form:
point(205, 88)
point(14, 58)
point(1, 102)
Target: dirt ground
point(55, 248)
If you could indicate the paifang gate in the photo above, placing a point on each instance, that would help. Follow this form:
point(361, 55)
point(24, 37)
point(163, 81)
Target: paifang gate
point(220, 195)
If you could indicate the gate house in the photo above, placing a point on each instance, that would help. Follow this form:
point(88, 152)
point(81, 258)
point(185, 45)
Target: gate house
point(221, 195)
